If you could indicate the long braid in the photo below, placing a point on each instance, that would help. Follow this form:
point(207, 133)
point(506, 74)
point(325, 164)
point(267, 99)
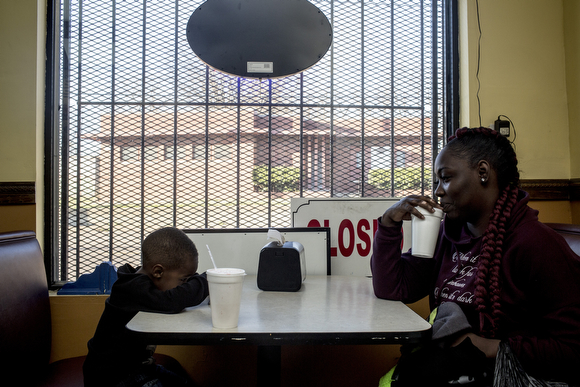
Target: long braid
point(485, 144)
point(488, 249)
point(488, 287)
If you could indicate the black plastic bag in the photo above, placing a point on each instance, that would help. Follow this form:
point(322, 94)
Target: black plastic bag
point(435, 366)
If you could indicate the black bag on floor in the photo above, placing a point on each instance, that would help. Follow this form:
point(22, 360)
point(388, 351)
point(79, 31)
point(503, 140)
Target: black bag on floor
point(434, 366)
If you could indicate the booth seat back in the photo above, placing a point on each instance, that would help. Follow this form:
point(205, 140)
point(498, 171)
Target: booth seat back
point(570, 232)
point(25, 321)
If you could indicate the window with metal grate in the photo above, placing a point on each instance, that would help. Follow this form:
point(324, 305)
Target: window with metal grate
point(152, 137)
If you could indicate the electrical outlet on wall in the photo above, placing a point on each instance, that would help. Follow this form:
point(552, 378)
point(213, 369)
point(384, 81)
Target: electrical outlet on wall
point(502, 126)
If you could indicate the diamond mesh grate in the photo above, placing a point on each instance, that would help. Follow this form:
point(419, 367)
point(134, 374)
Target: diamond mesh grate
point(151, 137)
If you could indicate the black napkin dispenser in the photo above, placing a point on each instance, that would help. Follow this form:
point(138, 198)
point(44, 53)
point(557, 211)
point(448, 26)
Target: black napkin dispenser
point(281, 268)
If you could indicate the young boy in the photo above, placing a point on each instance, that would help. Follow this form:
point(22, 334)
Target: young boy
point(167, 283)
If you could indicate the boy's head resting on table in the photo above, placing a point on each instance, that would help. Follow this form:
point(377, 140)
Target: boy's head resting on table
point(169, 258)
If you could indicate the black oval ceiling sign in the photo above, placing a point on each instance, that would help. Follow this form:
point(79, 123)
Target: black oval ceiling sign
point(259, 38)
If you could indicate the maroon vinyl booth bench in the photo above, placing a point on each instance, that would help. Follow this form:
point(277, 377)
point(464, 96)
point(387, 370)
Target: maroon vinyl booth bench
point(25, 319)
point(570, 232)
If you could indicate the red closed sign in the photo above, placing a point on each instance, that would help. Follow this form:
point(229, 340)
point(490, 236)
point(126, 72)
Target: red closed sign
point(353, 224)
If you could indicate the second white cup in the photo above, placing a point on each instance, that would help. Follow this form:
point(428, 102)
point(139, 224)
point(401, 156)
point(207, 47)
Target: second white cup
point(425, 232)
point(225, 294)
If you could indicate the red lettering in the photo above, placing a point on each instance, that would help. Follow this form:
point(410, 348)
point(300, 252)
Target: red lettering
point(345, 247)
point(346, 251)
point(363, 225)
point(313, 223)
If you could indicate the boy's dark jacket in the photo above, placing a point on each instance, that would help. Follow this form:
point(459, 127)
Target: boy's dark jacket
point(113, 353)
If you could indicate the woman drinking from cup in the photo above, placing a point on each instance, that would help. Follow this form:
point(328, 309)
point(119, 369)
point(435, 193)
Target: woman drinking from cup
point(502, 284)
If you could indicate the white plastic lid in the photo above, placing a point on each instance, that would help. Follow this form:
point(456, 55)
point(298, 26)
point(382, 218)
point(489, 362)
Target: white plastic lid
point(225, 272)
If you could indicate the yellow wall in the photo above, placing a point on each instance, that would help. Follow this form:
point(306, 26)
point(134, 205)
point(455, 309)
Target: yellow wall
point(22, 28)
point(18, 90)
point(528, 71)
point(17, 217)
point(74, 320)
point(575, 208)
point(523, 76)
point(553, 211)
point(572, 49)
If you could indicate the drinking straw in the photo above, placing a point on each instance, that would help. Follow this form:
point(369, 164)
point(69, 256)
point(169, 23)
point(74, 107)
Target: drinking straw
point(211, 256)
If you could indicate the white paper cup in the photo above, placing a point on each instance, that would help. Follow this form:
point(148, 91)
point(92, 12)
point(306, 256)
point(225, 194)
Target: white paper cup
point(425, 232)
point(225, 293)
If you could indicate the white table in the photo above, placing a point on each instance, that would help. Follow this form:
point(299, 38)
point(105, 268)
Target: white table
point(326, 310)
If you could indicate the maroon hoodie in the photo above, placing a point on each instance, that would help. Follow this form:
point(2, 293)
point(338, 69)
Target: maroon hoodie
point(540, 286)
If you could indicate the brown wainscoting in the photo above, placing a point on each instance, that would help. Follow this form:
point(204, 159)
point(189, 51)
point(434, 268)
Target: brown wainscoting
point(17, 193)
point(552, 189)
point(539, 189)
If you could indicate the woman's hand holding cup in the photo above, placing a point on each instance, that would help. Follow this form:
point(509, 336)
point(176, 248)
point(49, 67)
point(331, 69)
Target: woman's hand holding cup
point(404, 208)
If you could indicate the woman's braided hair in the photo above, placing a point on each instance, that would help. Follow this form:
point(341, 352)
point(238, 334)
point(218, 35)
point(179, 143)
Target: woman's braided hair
point(474, 145)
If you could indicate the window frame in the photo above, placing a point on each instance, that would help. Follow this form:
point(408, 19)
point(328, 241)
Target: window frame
point(51, 120)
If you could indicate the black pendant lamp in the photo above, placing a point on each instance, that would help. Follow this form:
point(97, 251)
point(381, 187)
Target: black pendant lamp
point(259, 38)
